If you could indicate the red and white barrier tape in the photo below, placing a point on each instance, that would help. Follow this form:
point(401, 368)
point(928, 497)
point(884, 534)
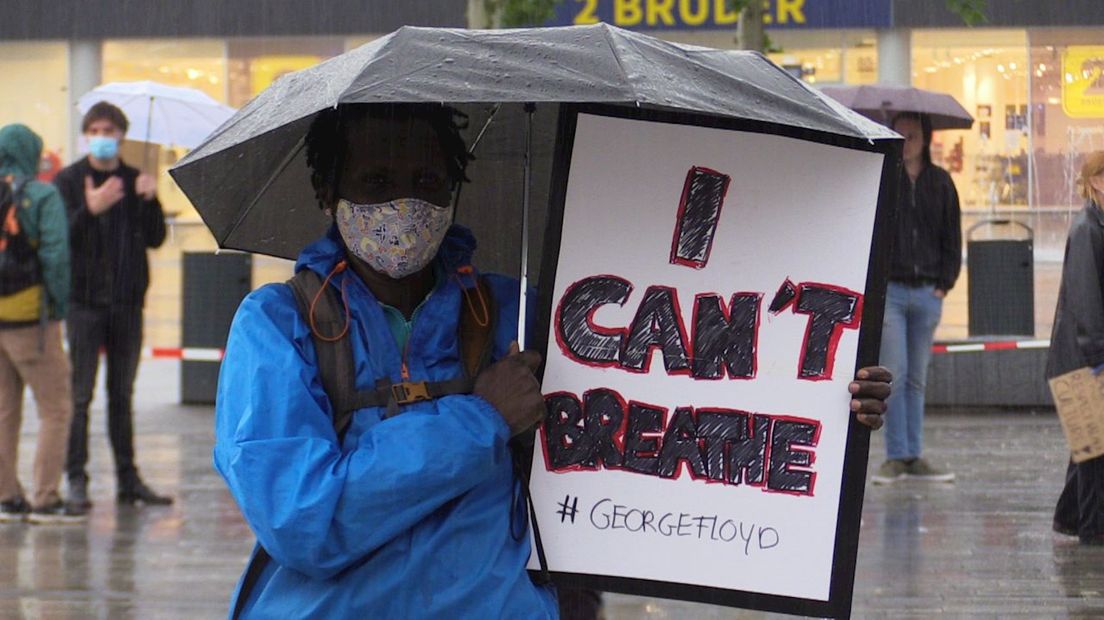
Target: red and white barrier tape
point(974, 347)
point(198, 354)
point(190, 354)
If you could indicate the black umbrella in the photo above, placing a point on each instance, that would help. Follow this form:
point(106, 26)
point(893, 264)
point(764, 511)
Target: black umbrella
point(881, 103)
point(249, 180)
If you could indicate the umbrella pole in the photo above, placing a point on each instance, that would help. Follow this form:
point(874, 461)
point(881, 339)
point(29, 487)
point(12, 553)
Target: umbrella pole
point(522, 306)
point(145, 149)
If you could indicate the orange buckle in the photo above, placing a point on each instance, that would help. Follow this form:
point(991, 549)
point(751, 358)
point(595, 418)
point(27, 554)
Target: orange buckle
point(409, 392)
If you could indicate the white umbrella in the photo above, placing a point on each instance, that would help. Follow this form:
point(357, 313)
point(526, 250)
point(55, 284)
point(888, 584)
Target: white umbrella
point(160, 114)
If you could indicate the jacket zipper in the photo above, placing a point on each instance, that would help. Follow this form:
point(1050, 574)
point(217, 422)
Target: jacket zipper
point(404, 369)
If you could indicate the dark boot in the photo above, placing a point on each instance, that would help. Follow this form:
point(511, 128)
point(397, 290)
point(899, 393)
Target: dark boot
point(78, 494)
point(135, 491)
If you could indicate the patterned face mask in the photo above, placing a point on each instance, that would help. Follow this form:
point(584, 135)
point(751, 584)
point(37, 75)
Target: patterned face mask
point(397, 238)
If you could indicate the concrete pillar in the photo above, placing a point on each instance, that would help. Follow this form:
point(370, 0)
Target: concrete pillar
point(85, 73)
point(477, 15)
point(895, 56)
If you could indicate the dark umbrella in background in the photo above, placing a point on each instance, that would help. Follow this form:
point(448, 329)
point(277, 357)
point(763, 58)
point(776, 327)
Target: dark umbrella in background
point(881, 103)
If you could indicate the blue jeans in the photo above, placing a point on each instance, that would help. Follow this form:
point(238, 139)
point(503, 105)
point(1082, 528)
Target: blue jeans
point(908, 329)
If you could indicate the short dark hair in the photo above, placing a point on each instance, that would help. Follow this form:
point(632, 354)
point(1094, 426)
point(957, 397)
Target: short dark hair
point(325, 141)
point(103, 110)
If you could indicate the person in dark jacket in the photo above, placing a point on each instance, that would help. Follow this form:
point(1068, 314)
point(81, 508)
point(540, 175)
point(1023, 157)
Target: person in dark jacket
point(114, 217)
point(1077, 341)
point(925, 262)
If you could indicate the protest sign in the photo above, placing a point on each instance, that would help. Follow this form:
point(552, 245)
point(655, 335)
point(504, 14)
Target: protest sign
point(709, 292)
point(1079, 399)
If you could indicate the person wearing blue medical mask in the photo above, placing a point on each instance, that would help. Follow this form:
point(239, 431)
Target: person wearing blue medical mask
point(114, 218)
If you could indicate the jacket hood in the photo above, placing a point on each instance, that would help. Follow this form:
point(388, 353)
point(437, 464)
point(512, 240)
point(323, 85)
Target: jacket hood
point(456, 251)
point(20, 151)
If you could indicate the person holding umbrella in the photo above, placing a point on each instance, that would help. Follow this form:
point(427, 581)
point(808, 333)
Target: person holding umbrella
point(925, 263)
point(414, 506)
point(114, 217)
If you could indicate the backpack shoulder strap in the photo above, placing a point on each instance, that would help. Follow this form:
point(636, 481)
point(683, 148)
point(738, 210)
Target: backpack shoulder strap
point(476, 327)
point(8, 198)
point(323, 310)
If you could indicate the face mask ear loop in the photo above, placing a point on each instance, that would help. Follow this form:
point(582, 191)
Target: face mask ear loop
point(344, 302)
point(486, 320)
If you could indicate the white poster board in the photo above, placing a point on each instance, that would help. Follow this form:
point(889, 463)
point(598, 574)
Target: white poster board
point(704, 324)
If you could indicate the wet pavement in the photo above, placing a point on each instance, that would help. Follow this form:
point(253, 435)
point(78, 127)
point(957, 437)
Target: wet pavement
point(978, 548)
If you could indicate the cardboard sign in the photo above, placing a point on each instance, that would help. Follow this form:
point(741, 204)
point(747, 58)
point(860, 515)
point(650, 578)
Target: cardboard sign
point(1079, 398)
point(711, 288)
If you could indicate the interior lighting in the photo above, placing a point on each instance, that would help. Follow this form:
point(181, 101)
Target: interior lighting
point(193, 73)
point(1000, 68)
point(1053, 100)
point(1012, 66)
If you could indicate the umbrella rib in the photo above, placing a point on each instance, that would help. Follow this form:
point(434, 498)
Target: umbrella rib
point(264, 188)
point(617, 58)
point(486, 126)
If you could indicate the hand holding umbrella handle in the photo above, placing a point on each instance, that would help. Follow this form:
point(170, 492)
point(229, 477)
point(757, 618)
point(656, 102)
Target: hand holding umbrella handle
point(510, 386)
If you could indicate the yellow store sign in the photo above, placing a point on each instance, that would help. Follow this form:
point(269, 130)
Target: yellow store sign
point(263, 70)
point(1083, 81)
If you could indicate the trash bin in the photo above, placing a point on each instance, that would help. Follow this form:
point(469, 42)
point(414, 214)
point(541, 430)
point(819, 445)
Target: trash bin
point(214, 286)
point(1001, 283)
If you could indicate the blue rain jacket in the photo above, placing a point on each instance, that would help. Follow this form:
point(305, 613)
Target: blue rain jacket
point(410, 517)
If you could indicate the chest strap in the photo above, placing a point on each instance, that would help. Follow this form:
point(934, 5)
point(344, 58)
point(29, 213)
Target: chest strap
point(337, 368)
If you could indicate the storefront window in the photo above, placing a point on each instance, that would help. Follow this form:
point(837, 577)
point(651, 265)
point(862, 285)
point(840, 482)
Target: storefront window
point(256, 63)
point(37, 75)
point(827, 57)
point(987, 71)
point(351, 43)
point(816, 56)
point(193, 63)
point(1067, 93)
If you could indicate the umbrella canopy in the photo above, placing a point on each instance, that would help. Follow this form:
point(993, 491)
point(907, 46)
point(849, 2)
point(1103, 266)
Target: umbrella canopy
point(250, 181)
point(880, 103)
point(160, 114)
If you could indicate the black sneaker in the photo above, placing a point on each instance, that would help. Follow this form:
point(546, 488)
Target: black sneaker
point(58, 512)
point(14, 510)
point(138, 492)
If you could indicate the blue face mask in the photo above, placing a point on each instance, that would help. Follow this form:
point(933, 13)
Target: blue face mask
point(103, 147)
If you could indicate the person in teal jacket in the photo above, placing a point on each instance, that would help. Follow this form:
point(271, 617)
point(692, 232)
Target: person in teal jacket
point(413, 515)
point(32, 306)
